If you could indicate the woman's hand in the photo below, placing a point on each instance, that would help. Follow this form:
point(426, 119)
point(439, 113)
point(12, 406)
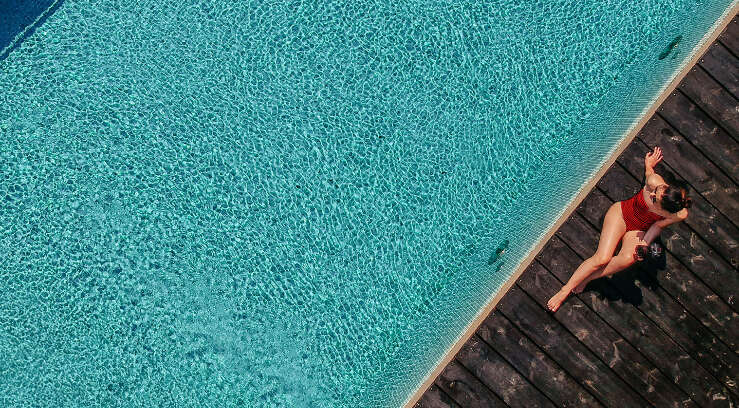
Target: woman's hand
point(652, 158)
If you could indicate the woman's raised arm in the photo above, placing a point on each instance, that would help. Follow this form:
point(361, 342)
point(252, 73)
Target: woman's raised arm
point(651, 160)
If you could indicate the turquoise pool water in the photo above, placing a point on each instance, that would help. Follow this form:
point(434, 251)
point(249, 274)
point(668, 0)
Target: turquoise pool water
point(293, 203)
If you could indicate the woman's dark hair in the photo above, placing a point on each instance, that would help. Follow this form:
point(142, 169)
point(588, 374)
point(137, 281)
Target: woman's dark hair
point(675, 198)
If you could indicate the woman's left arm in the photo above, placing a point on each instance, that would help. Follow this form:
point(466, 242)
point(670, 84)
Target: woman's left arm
point(656, 228)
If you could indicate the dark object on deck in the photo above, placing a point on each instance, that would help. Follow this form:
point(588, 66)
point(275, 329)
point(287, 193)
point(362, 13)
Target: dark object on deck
point(649, 252)
point(661, 333)
point(668, 50)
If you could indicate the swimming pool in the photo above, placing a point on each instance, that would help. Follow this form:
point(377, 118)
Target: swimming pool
point(293, 203)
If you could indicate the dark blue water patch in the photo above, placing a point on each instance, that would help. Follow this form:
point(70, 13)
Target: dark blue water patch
point(499, 251)
point(671, 47)
point(19, 15)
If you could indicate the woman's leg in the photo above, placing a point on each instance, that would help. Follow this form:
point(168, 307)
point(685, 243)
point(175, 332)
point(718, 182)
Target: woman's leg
point(623, 260)
point(614, 228)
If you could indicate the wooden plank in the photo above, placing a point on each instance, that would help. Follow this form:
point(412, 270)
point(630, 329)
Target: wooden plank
point(710, 96)
point(681, 156)
point(730, 37)
point(435, 398)
point(465, 389)
point(702, 131)
point(639, 329)
point(567, 351)
point(723, 66)
point(617, 184)
point(660, 306)
point(495, 372)
point(530, 360)
point(605, 342)
point(688, 242)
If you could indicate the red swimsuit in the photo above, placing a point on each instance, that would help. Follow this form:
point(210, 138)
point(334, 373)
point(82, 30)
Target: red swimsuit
point(636, 213)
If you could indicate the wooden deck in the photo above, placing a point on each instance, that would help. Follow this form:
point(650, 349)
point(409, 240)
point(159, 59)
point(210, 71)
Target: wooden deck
point(663, 335)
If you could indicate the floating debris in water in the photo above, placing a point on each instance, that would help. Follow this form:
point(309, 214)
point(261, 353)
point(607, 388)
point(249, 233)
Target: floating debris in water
point(499, 251)
point(671, 47)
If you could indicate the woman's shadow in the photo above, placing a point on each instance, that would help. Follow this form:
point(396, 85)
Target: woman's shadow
point(623, 285)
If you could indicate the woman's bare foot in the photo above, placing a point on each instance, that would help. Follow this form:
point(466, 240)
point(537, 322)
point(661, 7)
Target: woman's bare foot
point(556, 301)
point(579, 288)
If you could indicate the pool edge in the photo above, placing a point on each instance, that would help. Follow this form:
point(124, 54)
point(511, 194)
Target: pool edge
point(708, 39)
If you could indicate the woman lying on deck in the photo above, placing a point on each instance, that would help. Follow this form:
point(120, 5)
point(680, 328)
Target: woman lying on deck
point(638, 220)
